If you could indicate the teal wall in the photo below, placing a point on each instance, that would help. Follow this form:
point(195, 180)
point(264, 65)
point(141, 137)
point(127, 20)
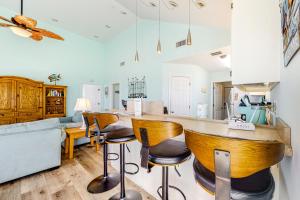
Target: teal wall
point(81, 60)
point(78, 59)
point(122, 48)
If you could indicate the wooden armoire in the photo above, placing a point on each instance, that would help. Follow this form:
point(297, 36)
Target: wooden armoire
point(21, 100)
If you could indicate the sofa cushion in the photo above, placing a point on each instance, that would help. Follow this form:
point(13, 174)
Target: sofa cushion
point(29, 126)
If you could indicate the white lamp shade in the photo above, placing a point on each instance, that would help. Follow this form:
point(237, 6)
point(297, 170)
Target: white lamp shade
point(20, 32)
point(83, 105)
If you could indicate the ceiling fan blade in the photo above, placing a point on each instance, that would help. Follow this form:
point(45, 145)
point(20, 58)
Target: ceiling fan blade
point(25, 21)
point(5, 25)
point(36, 36)
point(48, 34)
point(5, 19)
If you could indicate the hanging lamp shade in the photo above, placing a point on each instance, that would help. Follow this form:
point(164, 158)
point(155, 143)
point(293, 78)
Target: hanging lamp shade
point(136, 57)
point(158, 48)
point(189, 38)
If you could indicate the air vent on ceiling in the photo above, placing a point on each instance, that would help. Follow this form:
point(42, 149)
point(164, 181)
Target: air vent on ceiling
point(216, 53)
point(223, 56)
point(180, 43)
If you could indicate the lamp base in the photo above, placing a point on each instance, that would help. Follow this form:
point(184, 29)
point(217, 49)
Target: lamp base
point(83, 127)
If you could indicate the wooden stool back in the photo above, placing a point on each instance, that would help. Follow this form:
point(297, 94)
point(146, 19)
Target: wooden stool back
point(157, 131)
point(102, 120)
point(89, 117)
point(89, 122)
point(247, 157)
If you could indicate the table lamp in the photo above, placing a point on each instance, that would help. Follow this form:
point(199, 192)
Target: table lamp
point(82, 105)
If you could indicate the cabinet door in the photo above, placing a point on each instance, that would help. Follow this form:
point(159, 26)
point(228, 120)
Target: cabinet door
point(7, 97)
point(29, 98)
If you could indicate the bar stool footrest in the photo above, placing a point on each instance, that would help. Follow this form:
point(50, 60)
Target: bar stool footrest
point(172, 187)
point(113, 159)
point(134, 172)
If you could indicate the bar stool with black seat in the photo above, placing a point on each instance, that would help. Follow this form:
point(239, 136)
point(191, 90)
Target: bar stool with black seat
point(106, 181)
point(233, 168)
point(158, 149)
point(121, 137)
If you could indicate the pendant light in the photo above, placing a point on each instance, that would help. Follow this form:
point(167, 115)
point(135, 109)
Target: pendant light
point(136, 57)
point(158, 48)
point(189, 36)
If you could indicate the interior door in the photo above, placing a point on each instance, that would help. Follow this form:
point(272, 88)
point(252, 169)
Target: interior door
point(180, 96)
point(218, 101)
point(93, 93)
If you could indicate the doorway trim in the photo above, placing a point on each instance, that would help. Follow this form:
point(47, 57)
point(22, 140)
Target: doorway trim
point(112, 94)
point(212, 107)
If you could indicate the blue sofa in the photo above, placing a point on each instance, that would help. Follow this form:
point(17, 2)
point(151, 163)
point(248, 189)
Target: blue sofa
point(27, 148)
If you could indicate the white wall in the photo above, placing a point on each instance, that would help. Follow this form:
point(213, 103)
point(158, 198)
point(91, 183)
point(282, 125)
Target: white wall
point(199, 82)
point(256, 41)
point(287, 95)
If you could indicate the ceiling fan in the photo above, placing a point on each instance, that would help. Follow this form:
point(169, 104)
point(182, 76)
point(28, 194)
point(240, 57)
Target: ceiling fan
point(26, 27)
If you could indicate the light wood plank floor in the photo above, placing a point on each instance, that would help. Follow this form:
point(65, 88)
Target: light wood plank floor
point(68, 182)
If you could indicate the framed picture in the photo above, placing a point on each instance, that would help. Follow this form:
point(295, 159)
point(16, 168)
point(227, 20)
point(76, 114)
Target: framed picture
point(290, 21)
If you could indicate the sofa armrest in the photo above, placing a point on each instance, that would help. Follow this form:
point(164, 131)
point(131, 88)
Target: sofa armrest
point(65, 120)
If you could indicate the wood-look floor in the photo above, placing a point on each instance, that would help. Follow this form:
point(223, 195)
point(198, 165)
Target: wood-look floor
point(68, 182)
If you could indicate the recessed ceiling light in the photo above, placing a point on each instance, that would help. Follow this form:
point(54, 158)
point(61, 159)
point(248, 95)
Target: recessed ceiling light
point(108, 26)
point(199, 3)
point(173, 4)
point(152, 4)
point(123, 13)
point(54, 20)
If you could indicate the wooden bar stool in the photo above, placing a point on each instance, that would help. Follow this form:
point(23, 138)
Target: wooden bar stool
point(234, 168)
point(158, 149)
point(100, 123)
point(121, 137)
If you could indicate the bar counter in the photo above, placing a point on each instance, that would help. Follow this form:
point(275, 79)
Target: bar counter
point(150, 182)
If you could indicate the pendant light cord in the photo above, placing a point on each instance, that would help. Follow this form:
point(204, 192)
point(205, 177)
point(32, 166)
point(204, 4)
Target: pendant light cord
point(136, 24)
point(189, 14)
point(21, 7)
point(159, 19)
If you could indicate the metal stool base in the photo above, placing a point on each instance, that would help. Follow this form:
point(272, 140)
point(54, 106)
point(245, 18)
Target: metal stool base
point(103, 184)
point(130, 195)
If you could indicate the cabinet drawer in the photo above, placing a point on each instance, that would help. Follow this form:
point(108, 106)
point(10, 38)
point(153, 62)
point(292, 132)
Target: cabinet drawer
point(28, 114)
point(27, 119)
point(7, 114)
point(4, 121)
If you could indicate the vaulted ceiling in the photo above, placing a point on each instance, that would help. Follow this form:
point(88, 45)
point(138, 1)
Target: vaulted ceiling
point(101, 19)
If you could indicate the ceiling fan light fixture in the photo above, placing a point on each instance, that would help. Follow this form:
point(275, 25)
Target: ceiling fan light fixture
point(20, 32)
